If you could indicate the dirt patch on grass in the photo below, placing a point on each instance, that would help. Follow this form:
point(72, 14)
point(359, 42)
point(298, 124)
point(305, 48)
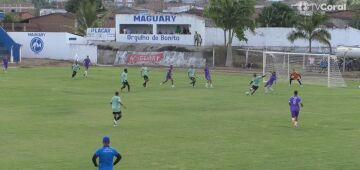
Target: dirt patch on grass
point(28, 63)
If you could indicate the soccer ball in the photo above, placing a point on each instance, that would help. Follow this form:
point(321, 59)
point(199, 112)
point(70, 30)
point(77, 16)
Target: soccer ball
point(359, 87)
point(247, 93)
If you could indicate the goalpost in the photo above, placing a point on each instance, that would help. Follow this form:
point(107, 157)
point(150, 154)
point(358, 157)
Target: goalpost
point(318, 69)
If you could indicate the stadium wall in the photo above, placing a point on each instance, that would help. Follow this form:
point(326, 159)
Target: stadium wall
point(53, 45)
point(277, 37)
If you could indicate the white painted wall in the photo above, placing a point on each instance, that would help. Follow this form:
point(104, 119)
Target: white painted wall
point(277, 37)
point(197, 24)
point(59, 46)
point(100, 34)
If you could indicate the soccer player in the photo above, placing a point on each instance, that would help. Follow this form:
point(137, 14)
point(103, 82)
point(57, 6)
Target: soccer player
point(323, 65)
point(295, 76)
point(255, 83)
point(270, 82)
point(124, 80)
point(106, 155)
point(208, 77)
point(191, 74)
point(169, 77)
point(145, 74)
point(86, 64)
point(116, 107)
point(75, 68)
point(295, 103)
point(5, 61)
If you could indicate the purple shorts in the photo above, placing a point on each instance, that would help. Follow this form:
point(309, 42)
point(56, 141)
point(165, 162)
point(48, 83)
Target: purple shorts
point(294, 113)
point(269, 83)
point(207, 77)
point(168, 77)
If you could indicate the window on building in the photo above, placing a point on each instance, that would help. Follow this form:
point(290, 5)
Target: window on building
point(173, 29)
point(136, 29)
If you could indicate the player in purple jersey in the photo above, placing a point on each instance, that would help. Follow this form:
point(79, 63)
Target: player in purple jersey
point(295, 103)
point(86, 63)
point(270, 82)
point(5, 61)
point(169, 76)
point(207, 76)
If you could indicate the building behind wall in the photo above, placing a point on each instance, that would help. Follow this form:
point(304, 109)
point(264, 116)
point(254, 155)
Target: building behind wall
point(126, 3)
point(159, 29)
point(17, 7)
point(57, 22)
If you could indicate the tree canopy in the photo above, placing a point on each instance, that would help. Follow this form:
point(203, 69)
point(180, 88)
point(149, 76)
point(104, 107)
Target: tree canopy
point(308, 28)
point(87, 16)
point(74, 5)
point(234, 17)
point(277, 15)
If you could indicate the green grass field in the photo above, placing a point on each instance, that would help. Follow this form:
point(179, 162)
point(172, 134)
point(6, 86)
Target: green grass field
point(48, 121)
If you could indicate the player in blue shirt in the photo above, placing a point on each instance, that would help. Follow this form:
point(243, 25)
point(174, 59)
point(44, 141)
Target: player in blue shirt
point(295, 103)
point(270, 82)
point(5, 61)
point(169, 76)
point(86, 63)
point(106, 156)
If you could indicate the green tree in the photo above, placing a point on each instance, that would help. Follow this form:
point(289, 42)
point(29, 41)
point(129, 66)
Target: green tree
point(355, 21)
point(74, 5)
point(234, 17)
point(308, 28)
point(9, 18)
point(331, 2)
point(87, 16)
point(39, 4)
point(277, 15)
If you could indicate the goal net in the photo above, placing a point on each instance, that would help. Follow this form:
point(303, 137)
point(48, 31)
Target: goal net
point(317, 69)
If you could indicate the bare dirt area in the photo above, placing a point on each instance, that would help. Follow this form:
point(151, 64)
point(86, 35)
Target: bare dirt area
point(28, 63)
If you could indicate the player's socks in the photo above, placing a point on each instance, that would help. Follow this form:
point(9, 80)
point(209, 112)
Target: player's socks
point(296, 124)
point(115, 122)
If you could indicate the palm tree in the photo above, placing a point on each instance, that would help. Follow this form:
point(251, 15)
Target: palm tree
point(234, 17)
point(308, 28)
point(87, 16)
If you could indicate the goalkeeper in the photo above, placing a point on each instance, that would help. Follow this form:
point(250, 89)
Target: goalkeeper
point(295, 76)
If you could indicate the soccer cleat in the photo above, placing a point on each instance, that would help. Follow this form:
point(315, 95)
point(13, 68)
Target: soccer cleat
point(115, 122)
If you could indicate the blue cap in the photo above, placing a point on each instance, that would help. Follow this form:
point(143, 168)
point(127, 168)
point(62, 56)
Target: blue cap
point(106, 139)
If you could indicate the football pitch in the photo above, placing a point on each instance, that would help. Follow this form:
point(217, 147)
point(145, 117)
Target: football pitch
point(49, 121)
